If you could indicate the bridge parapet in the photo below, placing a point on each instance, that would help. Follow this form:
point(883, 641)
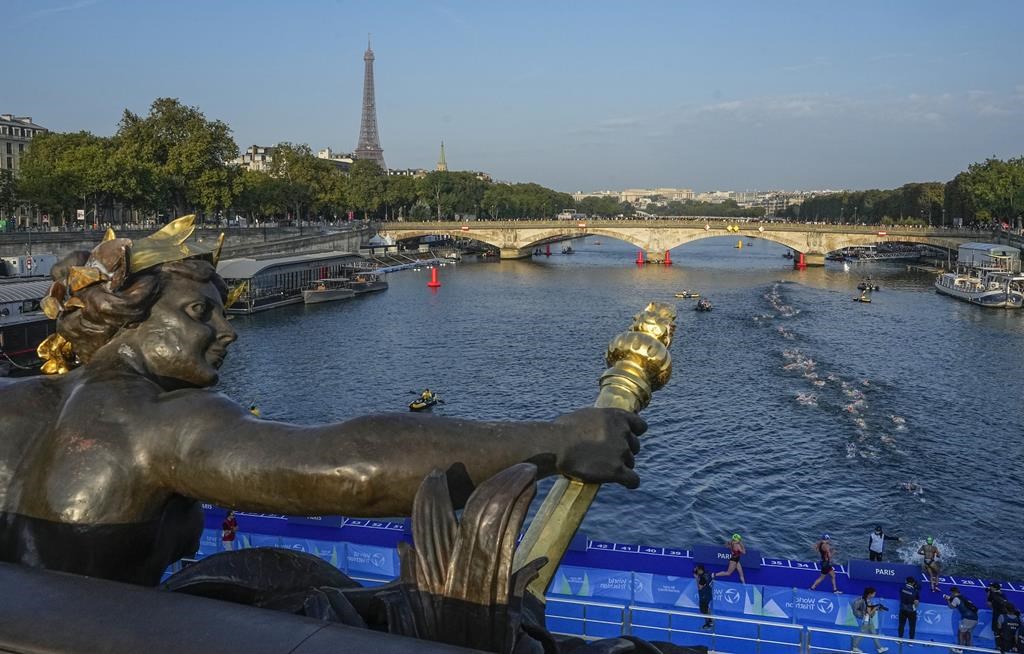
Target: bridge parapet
point(517, 238)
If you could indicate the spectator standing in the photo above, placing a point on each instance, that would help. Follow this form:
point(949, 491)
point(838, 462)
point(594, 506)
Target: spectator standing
point(228, 530)
point(867, 616)
point(876, 543)
point(968, 615)
point(704, 581)
point(931, 562)
point(997, 602)
point(910, 597)
point(825, 551)
point(737, 550)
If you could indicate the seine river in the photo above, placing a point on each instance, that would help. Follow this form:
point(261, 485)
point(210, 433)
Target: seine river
point(792, 410)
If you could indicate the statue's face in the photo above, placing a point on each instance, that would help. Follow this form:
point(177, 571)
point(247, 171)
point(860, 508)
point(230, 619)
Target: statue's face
point(186, 337)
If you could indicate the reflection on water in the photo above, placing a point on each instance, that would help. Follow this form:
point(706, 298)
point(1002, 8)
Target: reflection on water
point(792, 411)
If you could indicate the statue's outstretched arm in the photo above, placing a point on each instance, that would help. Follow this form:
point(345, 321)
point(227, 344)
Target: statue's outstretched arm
point(212, 449)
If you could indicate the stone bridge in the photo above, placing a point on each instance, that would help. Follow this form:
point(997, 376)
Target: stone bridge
point(518, 239)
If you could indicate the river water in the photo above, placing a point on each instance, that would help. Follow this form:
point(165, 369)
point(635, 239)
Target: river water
point(792, 410)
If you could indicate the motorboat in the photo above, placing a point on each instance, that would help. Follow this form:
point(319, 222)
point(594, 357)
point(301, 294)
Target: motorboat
point(863, 297)
point(788, 255)
point(703, 305)
point(687, 295)
point(868, 286)
point(328, 290)
point(367, 282)
point(568, 250)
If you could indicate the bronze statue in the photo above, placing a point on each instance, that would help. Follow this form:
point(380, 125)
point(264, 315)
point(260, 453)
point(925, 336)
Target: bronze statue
point(103, 465)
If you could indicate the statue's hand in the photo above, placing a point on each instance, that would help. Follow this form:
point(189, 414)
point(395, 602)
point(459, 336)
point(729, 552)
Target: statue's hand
point(599, 445)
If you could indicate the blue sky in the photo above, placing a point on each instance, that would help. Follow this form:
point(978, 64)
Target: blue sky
point(573, 95)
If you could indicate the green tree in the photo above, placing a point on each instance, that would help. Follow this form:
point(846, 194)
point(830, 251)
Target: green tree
point(366, 186)
point(186, 154)
point(400, 195)
point(8, 193)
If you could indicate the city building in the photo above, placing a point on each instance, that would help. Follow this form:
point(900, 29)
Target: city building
point(640, 195)
point(340, 161)
point(255, 157)
point(16, 133)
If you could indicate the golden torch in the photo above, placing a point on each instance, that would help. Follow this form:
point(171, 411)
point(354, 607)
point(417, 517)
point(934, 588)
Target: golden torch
point(639, 364)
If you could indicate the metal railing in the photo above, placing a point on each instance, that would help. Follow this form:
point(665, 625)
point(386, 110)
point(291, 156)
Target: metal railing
point(753, 642)
point(748, 636)
point(623, 624)
point(826, 638)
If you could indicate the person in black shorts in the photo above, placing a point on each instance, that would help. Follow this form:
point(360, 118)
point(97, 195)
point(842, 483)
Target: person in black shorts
point(825, 551)
point(910, 597)
point(704, 580)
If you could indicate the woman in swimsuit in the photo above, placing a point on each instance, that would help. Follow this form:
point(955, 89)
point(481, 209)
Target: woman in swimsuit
point(824, 547)
point(737, 550)
point(931, 562)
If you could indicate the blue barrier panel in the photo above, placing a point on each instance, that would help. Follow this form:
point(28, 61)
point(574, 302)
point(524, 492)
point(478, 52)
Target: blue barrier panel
point(881, 571)
point(715, 555)
point(371, 560)
point(792, 638)
point(811, 607)
point(609, 625)
point(256, 540)
point(736, 599)
point(209, 543)
point(330, 551)
point(651, 633)
point(564, 617)
point(601, 584)
point(938, 620)
point(665, 590)
point(777, 603)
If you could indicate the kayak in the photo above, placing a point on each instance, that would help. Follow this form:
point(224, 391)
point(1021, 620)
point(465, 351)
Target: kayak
point(862, 298)
point(419, 404)
point(687, 294)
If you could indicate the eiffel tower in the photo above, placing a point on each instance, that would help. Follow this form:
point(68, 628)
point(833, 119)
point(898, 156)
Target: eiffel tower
point(369, 140)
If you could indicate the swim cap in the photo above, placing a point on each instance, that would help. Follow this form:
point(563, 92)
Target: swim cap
point(826, 537)
point(736, 537)
point(878, 528)
point(928, 540)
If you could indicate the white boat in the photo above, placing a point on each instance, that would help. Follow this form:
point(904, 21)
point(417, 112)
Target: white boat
point(987, 274)
point(367, 282)
point(987, 288)
point(328, 290)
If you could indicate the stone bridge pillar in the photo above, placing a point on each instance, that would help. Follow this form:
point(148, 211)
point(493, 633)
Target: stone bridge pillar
point(515, 253)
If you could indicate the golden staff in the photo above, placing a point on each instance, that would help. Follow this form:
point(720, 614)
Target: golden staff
point(639, 364)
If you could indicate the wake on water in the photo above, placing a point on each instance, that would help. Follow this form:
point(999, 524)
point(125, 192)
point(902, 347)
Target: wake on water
point(872, 436)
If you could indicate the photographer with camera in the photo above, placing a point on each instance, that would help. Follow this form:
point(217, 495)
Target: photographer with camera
point(968, 615)
point(867, 616)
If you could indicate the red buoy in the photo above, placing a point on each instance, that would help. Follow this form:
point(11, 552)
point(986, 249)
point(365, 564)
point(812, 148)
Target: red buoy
point(433, 283)
point(547, 252)
point(801, 262)
point(639, 257)
point(668, 258)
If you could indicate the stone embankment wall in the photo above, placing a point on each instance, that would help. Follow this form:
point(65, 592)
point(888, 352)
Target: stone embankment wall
point(237, 242)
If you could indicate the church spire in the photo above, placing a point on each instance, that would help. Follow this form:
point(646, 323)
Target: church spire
point(442, 165)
